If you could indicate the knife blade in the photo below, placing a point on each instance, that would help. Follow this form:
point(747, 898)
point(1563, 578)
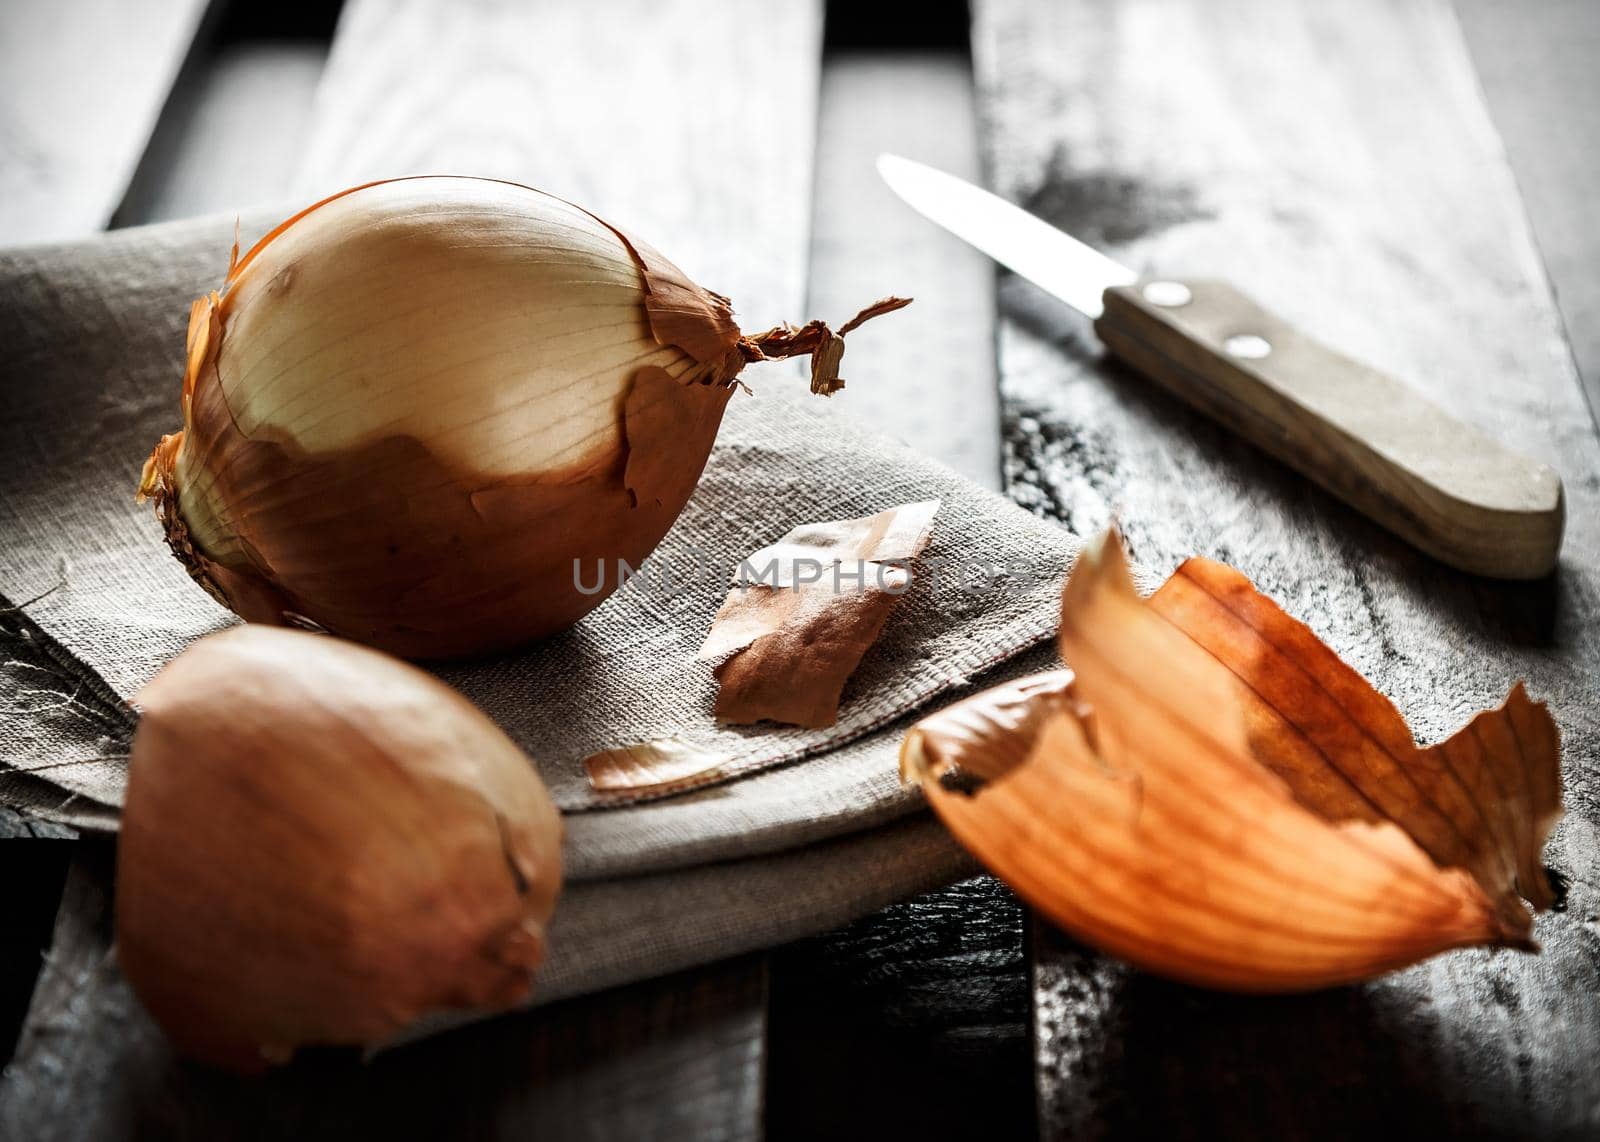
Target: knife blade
point(1436, 481)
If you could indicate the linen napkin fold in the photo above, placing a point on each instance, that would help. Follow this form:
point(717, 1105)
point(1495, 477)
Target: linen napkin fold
point(92, 335)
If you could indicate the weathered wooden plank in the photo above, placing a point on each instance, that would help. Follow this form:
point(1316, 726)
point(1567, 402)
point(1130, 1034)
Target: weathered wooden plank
point(1336, 162)
point(231, 135)
point(1536, 64)
point(33, 864)
point(912, 1023)
point(938, 985)
point(931, 383)
point(84, 85)
point(644, 112)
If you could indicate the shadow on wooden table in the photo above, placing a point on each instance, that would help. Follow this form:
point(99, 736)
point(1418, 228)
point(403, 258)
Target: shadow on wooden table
point(1124, 1054)
point(911, 1023)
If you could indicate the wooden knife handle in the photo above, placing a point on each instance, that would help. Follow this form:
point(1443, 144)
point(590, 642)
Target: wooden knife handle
point(1435, 481)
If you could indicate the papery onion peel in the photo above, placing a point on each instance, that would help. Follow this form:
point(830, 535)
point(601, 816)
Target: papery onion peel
point(660, 766)
point(804, 610)
point(1211, 794)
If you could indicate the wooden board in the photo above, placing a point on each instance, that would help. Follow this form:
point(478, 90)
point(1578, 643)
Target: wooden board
point(1337, 162)
point(645, 111)
point(33, 864)
point(232, 132)
point(929, 378)
point(84, 85)
point(859, 1018)
point(912, 1023)
point(1536, 64)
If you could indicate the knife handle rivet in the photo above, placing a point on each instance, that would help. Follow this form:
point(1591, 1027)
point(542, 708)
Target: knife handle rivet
point(1247, 346)
point(1169, 295)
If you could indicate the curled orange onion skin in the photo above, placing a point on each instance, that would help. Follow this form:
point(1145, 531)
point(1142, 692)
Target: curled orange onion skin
point(320, 844)
point(1211, 794)
point(383, 535)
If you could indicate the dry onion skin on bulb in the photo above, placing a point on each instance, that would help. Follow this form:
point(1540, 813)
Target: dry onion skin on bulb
point(1211, 794)
point(321, 844)
point(413, 406)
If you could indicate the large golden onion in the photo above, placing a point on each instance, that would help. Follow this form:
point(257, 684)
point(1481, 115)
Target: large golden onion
point(415, 405)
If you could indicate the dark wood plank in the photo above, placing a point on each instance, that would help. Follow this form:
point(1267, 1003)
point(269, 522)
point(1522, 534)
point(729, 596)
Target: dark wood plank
point(860, 1018)
point(1335, 162)
point(231, 134)
point(648, 1061)
point(33, 866)
point(932, 383)
point(113, 88)
point(912, 1023)
point(643, 111)
point(1537, 66)
point(84, 85)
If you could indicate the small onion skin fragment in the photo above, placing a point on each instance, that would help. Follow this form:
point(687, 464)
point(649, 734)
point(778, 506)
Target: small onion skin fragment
point(785, 644)
point(321, 844)
point(1213, 796)
point(415, 407)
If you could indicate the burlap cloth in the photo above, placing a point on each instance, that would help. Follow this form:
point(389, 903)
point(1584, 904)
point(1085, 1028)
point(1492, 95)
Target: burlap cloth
point(813, 831)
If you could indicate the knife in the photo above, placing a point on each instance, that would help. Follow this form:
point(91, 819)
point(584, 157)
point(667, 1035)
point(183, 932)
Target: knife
point(1437, 482)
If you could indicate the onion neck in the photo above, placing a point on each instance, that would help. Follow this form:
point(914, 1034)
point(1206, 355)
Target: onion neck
point(816, 340)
